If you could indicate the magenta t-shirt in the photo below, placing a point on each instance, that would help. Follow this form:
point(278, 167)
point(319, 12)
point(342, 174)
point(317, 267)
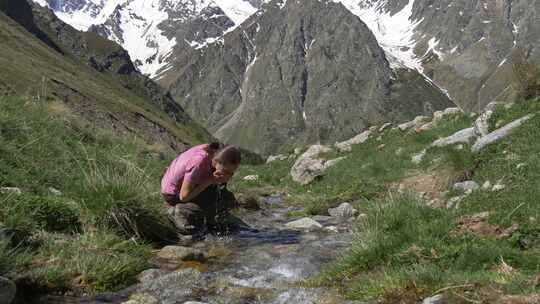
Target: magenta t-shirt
point(194, 165)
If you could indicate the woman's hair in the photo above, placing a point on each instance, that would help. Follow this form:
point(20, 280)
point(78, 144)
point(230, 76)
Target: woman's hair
point(228, 155)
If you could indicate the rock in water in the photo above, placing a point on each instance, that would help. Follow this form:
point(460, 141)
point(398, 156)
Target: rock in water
point(7, 290)
point(344, 210)
point(498, 134)
point(304, 224)
point(180, 253)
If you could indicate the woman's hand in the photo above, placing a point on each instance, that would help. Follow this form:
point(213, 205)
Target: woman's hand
point(221, 177)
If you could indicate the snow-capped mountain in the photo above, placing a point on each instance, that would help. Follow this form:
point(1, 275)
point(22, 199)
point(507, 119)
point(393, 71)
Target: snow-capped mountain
point(150, 29)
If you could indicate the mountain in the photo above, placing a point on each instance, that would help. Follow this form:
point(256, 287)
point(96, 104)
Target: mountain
point(93, 79)
point(150, 29)
point(297, 72)
point(469, 48)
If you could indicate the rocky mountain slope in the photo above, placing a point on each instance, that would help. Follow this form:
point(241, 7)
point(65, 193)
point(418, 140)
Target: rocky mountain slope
point(297, 72)
point(95, 80)
point(150, 29)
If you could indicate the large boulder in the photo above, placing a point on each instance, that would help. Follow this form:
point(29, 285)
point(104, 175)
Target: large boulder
point(7, 290)
point(498, 134)
point(309, 166)
point(462, 136)
point(344, 210)
point(305, 223)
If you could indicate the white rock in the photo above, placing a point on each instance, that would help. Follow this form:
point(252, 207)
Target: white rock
point(463, 136)
point(440, 115)
point(406, 125)
point(385, 126)
point(467, 185)
point(486, 185)
point(498, 187)
point(273, 158)
point(315, 151)
point(417, 159)
point(304, 223)
point(346, 146)
point(10, 190)
point(251, 178)
point(344, 210)
point(454, 202)
point(438, 299)
point(54, 191)
point(416, 122)
point(425, 127)
point(331, 229)
point(498, 134)
point(481, 124)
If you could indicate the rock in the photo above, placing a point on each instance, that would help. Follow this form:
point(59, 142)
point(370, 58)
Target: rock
point(498, 187)
point(7, 290)
point(193, 302)
point(454, 202)
point(175, 287)
point(305, 223)
point(307, 167)
point(10, 190)
point(466, 185)
point(425, 127)
point(498, 134)
point(180, 253)
point(486, 185)
point(405, 126)
point(385, 126)
point(297, 151)
point(346, 146)
point(251, 178)
point(273, 158)
point(417, 159)
point(345, 210)
point(142, 299)
point(463, 136)
point(150, 274)
point(54, 191)
point(481, 124)
point(333, 229)
point(437, 299)
point(440, 115)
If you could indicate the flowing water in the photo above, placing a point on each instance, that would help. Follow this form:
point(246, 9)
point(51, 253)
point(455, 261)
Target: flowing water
point(262, 265)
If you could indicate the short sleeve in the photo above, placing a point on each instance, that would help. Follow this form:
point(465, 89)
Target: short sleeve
point(196, 170)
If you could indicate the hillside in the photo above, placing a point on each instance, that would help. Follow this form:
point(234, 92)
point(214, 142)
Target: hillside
point(445, 214)
point(91, 78)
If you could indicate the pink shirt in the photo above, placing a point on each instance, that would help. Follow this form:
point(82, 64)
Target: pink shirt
point(194, 165)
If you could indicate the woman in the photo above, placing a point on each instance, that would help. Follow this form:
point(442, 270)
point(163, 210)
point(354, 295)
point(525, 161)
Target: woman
point(194, 188)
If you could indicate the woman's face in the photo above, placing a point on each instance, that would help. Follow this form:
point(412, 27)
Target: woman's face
point(224, 169)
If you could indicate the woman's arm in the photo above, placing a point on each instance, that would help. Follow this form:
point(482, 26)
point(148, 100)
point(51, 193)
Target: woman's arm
point(190, 190)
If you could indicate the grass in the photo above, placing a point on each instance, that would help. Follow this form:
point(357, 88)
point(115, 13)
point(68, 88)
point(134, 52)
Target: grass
point(100, 228)
point(366, 173)
point(406, 251)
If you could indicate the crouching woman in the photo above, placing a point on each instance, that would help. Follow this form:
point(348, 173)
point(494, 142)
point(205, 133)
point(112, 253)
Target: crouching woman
point(194, 187)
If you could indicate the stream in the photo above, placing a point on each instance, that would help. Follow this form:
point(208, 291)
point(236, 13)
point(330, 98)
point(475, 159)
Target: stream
point(263, 265)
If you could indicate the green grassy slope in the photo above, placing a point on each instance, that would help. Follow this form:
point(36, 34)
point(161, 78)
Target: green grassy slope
point(407, 250)
point(96, 235)
point(31, 68)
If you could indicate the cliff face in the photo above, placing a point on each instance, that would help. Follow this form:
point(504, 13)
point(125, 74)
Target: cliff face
point(294, 73)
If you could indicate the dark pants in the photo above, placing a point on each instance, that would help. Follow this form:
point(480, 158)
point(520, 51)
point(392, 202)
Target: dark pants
point(208, 212)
